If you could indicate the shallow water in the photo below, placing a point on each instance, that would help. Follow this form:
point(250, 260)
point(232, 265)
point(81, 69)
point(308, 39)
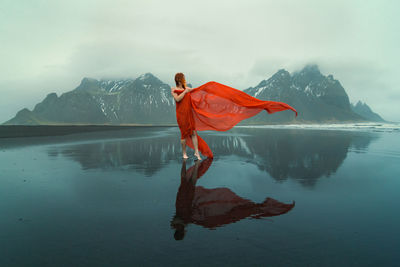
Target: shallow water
point(270, 196)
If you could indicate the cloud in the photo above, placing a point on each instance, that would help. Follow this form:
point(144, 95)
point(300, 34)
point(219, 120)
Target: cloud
point(51, 46)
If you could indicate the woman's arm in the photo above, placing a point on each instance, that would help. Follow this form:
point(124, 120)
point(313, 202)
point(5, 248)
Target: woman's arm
point(191, 89)
point(180, 96)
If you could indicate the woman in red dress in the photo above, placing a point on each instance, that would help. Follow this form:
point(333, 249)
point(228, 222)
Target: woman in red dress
point(213, 106)
point(184, 115)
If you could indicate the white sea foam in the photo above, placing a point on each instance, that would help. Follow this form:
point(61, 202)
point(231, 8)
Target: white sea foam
point(370, 126)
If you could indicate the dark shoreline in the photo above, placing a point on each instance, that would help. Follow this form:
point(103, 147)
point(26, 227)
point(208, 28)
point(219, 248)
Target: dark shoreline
point(15, 131)
point(11, 131)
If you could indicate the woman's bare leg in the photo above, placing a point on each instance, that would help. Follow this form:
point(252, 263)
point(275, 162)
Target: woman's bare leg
point(183, 143)
point(196, 146)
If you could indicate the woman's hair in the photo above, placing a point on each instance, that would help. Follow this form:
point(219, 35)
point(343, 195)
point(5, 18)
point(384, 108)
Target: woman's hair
point(179, 225)
point(180, 78)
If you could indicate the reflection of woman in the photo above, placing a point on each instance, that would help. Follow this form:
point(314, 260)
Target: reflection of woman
point(211, 208)
point(185, 195)
point(213, 106)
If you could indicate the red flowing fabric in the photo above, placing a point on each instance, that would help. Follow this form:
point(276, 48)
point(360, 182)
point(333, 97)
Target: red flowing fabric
point(218, 107)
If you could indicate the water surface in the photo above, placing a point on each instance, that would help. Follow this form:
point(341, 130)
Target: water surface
point(270, 196)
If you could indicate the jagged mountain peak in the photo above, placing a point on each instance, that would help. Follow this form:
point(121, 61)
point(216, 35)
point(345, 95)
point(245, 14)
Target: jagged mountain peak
point(145, 81)
point(308, 73)
point(88, 79)
point(365, 111)
point(148, 77)
point(52, 95)
point(359, 104)
point(281, 74)
point(149, 81)
point(88, 83)
point(313, 82)
point(103, 85)
point(310, 68)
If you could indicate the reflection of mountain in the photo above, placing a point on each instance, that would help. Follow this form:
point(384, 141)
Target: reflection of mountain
point(215, 207)
point(146, 155)
point(303, 155)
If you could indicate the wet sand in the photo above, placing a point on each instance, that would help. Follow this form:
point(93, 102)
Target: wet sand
point(51, 130)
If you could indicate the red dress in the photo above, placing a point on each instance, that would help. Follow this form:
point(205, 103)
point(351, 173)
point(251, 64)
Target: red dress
point(218, 107)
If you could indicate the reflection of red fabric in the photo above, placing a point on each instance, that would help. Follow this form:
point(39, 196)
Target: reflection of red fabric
point(211, 208)
point(218, 107)
point(219, 206)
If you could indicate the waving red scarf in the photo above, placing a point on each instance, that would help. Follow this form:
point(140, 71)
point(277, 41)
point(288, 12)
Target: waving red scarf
point(218, 107)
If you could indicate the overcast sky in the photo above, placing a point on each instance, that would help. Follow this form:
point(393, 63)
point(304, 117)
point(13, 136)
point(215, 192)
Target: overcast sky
point(49, 46)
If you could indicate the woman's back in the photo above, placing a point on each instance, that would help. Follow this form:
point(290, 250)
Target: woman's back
point(184, 114)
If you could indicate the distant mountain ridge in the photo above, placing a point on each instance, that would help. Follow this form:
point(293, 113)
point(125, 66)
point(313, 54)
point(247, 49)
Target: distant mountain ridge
point(147, 100)
point(365, 111)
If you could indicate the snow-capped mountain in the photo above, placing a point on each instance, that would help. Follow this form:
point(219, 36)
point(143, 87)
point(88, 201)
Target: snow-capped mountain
point(316, 97)
point(147, 100)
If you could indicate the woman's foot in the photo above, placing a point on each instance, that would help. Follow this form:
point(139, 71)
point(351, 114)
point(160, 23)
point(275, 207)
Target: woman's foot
point(197, 155)
point(185, 156)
